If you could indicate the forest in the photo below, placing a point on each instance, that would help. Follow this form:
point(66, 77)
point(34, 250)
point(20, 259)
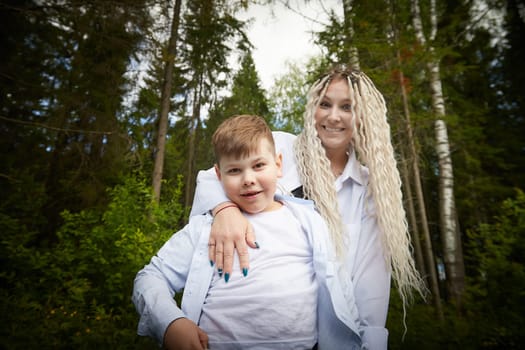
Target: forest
point(106, 114)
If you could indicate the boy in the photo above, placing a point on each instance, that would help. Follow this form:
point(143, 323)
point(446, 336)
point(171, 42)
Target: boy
point(292, 298)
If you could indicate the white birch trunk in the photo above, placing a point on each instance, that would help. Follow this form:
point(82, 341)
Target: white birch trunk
point(450, 237)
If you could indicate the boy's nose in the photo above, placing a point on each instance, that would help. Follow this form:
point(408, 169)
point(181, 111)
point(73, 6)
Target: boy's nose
point(249, 178)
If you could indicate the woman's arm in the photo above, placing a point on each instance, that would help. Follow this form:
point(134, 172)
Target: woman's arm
point(230, 229)
point(208, 193)
point(371, 278)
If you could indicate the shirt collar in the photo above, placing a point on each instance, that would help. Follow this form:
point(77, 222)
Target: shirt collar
point(353, 170)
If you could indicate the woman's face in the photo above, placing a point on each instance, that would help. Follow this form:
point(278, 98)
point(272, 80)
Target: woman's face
point(334, 116)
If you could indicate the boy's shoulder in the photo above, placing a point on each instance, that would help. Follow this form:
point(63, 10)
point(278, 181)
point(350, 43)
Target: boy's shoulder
point(305, 203)
point(200, 220)
point(300, 207)
point(308, 216)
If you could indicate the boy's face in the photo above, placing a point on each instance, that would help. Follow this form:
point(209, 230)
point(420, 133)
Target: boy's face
point(251, 181)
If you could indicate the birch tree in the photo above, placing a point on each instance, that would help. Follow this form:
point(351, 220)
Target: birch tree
point(450, 237)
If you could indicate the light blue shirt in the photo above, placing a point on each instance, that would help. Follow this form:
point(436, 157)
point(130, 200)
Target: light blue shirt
point(182, 263)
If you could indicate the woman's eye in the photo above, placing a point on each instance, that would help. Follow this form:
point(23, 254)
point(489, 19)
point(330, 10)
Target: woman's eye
point(347, 107)
point(324, 104)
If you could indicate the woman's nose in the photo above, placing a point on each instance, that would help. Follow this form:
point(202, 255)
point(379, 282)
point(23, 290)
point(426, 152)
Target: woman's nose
point(333, 114)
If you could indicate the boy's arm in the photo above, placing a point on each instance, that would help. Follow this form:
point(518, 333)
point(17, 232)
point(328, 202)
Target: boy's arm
point(155, 285)
point(185, 334)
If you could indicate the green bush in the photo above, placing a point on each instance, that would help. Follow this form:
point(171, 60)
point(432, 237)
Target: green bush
point(493, 310)
point(76, 294)
point(496, 285)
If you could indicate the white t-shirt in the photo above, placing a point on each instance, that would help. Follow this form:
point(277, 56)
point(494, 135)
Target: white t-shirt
point(275, 308)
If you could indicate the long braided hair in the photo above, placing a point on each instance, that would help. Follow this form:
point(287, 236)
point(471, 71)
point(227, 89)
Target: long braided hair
point(372, 144)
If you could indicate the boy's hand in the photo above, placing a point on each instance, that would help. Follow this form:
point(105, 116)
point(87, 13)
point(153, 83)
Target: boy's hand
point(183, 334)
point(230, 230)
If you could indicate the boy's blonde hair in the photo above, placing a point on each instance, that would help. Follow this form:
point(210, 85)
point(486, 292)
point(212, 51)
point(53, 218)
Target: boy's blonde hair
point(238, 136)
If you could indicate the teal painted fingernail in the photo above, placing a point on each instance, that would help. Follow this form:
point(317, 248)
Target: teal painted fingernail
point(226, 276)
point(220, 272)
point(245, 271)
point(211, 263)
point(256, 245)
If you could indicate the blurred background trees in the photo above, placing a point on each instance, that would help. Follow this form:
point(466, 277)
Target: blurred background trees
point(80, 104)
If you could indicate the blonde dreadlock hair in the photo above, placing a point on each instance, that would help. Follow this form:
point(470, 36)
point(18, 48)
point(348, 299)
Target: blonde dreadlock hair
point(373, 147)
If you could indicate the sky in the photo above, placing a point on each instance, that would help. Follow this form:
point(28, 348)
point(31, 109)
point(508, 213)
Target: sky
point(280, 34)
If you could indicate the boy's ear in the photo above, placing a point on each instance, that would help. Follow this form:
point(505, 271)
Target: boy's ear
point(279, 163)
point(217, 171)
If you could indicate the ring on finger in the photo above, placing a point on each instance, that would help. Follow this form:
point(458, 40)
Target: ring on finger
point(211, 244)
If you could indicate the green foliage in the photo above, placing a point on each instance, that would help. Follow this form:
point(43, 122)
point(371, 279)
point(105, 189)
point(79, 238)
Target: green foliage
point(77, 292)
point(496, 287)
point(424, 330)
point(247, 97)
point(494, 304)
point(288, 95)
point(63, 78)
point(288, 98)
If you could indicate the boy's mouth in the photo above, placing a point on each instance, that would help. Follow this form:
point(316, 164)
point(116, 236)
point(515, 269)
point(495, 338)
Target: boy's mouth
point(250, 194)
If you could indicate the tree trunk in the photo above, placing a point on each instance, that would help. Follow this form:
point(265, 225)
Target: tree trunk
point(450, 236)
point(431, 265)
point(165, 102)
point(411, 211)
point(193, 127)
point(414, 160)
point(452, 252)
point(353, 54)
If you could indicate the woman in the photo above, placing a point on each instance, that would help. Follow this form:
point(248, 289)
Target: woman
point(345, 162)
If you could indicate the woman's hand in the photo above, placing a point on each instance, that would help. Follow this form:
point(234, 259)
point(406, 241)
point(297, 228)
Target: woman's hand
point(183, 334)
point(230, 230)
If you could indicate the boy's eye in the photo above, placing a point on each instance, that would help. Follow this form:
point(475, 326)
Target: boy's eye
point(233, 171)
point(259, 165)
